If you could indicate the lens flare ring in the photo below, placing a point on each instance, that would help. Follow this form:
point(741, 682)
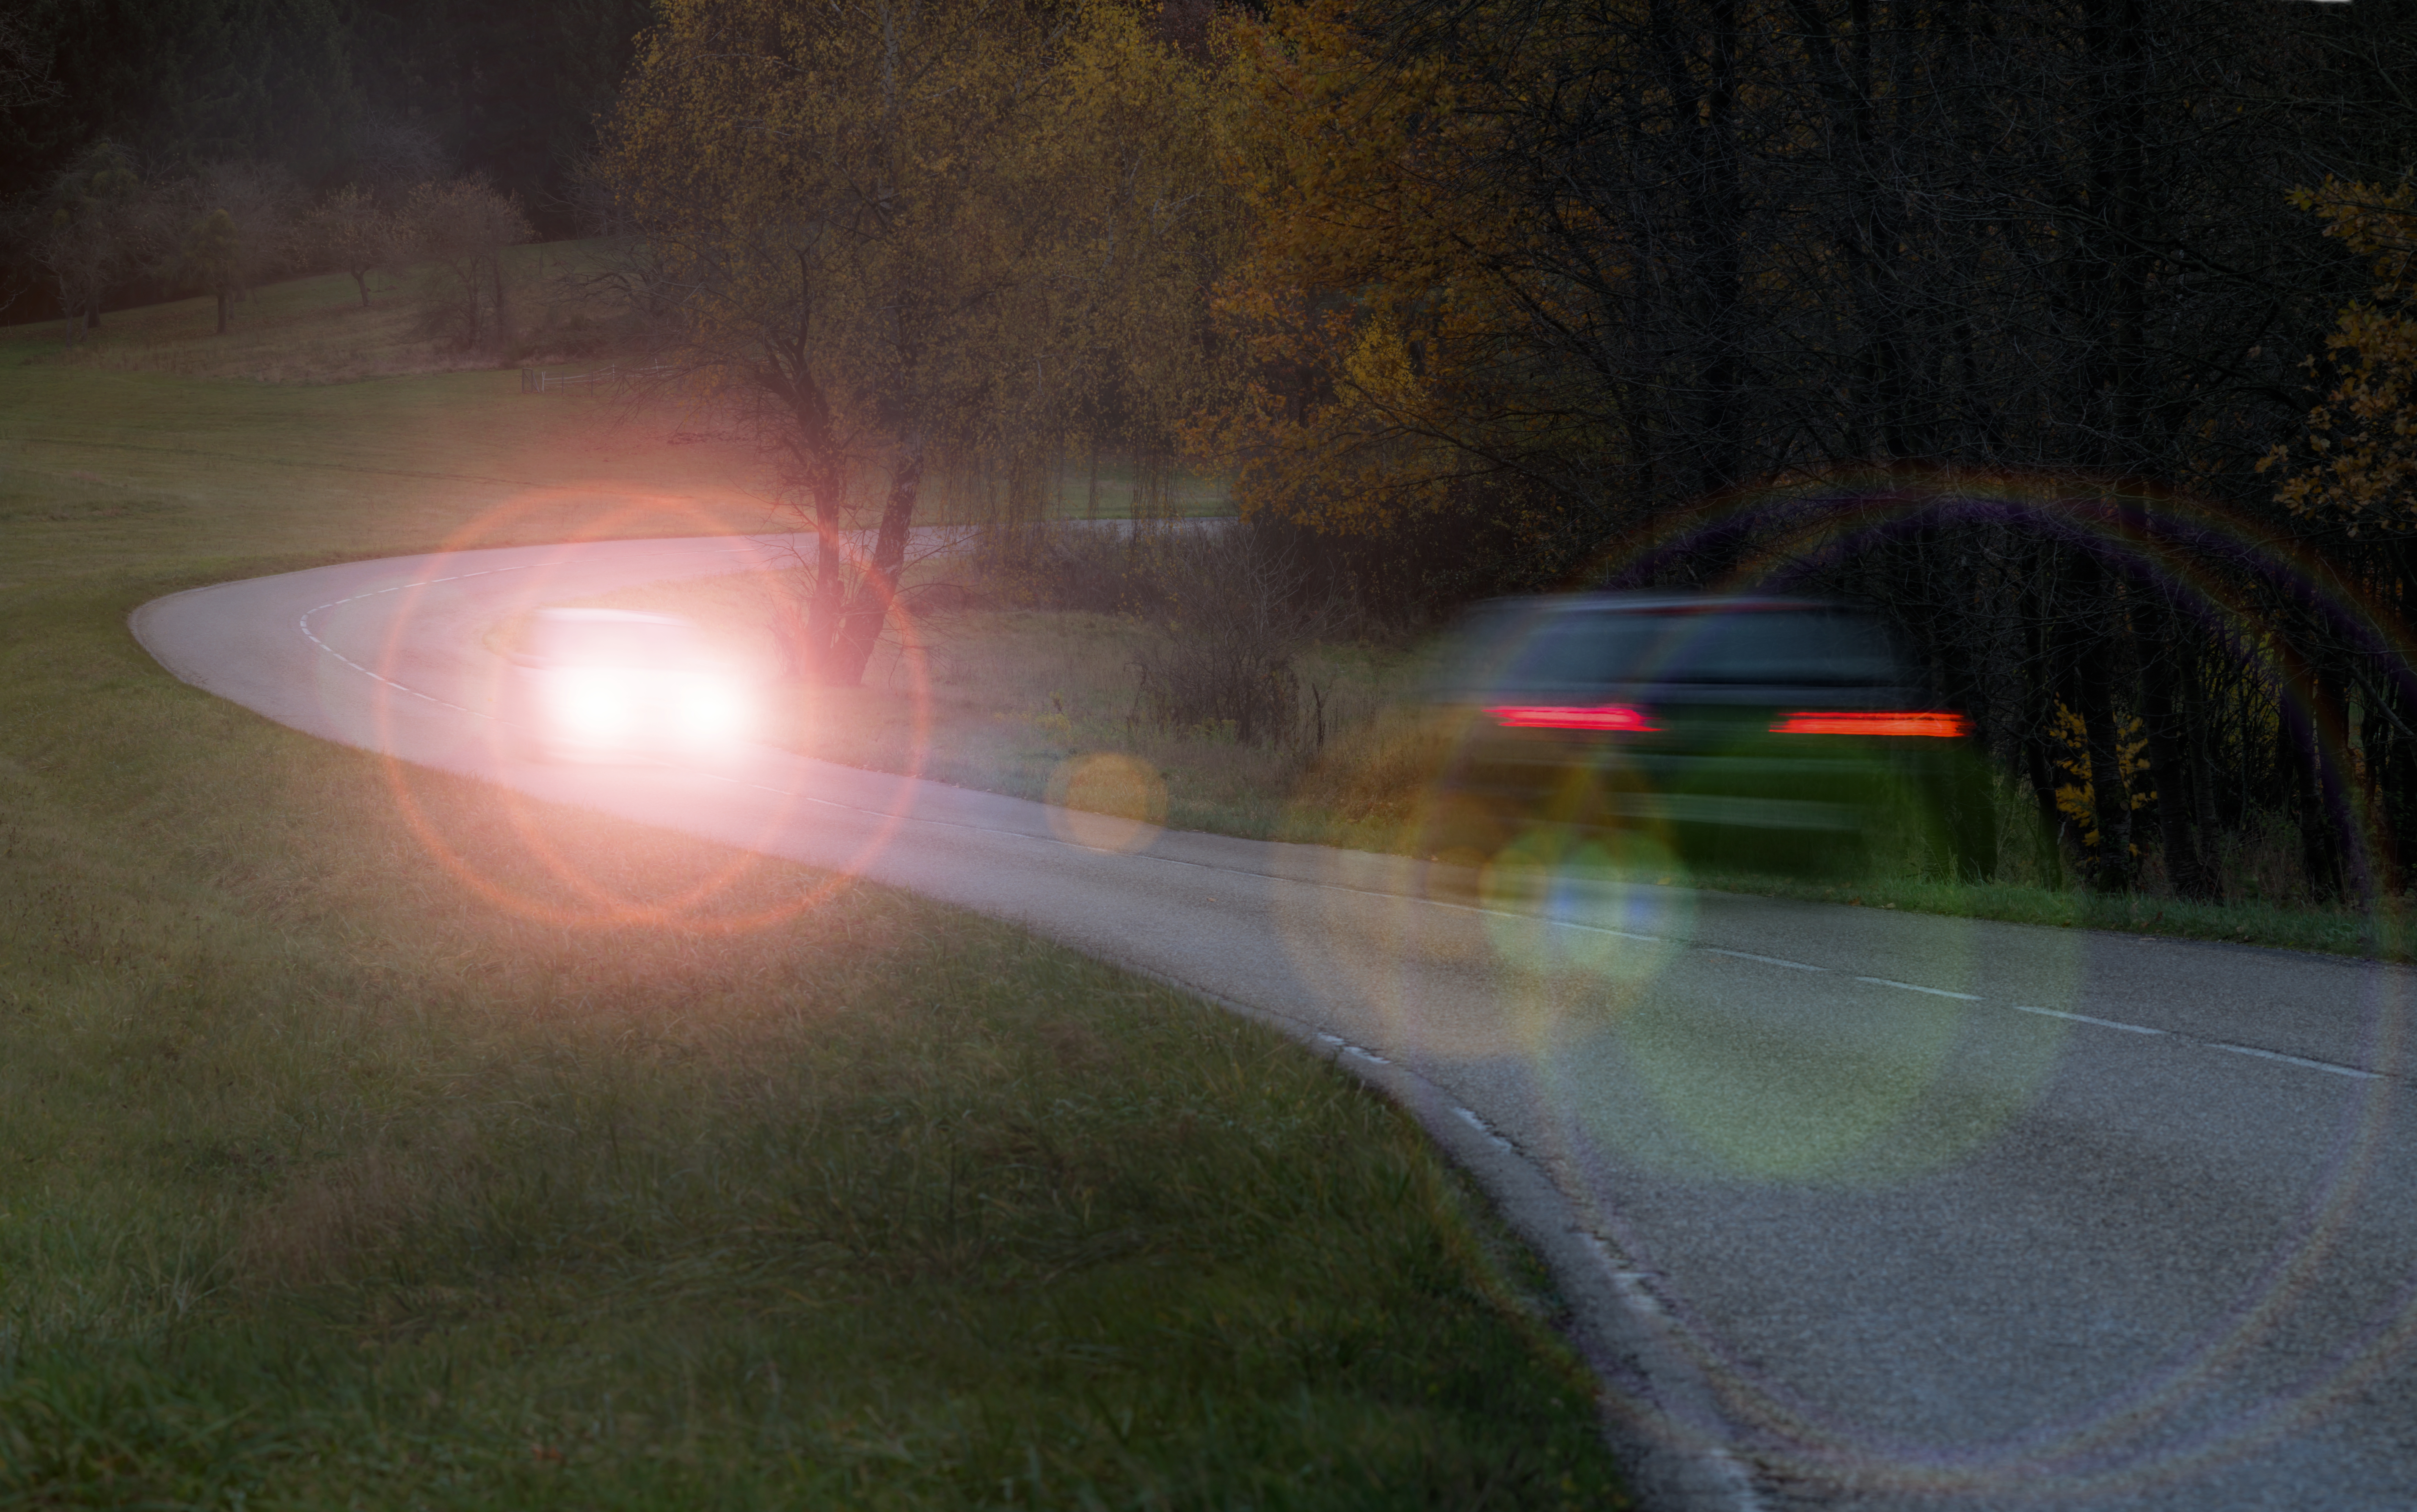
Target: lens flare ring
point(604, 908)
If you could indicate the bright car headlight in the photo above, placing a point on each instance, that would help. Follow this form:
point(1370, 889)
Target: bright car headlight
point(717, 712)
point(591, 707)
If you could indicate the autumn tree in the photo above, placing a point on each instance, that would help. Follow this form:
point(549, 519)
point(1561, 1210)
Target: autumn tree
point(885, 232)
point(2357, 462)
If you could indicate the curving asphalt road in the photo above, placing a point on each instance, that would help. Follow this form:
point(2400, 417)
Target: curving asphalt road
point(1855, 1208)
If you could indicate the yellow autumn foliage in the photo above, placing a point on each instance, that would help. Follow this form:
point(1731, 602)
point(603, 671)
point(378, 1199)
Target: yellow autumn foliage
point(2361, 445)
point(1379, 273)
point(2076, 798)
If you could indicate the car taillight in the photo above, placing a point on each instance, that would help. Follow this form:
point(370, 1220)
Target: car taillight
point(1614, 717)
point(1872, 722)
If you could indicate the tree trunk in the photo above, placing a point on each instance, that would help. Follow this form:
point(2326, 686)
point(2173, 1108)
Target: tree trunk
point(823, 613)
point(503, 320)
point(2303, 753)
point(2159, 648)
point(878, 589)
point(223, 311)
point(2092, 697)
point(2043, 677)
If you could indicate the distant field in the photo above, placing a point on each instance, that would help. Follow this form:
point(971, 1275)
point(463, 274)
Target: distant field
point(325, 1182)
point(313, 333)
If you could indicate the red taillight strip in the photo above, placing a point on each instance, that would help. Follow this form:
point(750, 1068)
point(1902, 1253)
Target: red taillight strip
point(1622, 717)
point(1871, 722)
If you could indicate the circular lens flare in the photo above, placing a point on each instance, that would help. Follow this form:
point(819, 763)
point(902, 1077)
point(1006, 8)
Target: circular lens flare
point(1653, 1076)
point(699, 906)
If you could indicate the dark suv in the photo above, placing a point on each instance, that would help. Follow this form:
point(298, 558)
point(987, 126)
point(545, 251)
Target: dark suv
point(1771, 732)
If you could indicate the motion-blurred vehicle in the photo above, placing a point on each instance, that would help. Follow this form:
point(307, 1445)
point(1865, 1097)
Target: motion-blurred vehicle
point(614, 684)
point(1777, 733)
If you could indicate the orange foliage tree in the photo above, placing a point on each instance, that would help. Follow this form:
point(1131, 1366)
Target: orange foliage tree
point(1382, 296)
point(2359, 459)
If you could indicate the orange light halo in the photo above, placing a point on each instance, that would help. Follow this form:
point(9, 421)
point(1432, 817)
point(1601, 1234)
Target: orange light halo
point(607, 910)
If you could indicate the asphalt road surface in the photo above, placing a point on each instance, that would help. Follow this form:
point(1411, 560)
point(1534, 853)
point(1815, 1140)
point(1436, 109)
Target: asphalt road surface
point(1855, 1208)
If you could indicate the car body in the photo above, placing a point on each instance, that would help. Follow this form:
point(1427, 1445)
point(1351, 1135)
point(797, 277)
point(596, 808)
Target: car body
point(1761, 732)
point(618, 684)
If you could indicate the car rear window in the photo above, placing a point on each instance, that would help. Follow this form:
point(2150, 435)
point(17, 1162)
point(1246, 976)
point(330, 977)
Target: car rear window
point(1781, 647)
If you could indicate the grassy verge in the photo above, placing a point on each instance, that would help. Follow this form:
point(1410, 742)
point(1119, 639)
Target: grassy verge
point(325, 1180)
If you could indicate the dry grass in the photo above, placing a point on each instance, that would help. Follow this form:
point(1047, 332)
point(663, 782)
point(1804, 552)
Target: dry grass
point(316, 330)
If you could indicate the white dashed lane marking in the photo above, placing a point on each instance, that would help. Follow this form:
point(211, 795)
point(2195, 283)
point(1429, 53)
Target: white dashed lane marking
point(1934, 992)
point(1767, 961)
point(2083, 1017)
point(2295, 1060)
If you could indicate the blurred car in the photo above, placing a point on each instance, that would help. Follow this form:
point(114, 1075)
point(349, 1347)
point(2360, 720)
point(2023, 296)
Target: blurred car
point(1767, 732)
point(610, 683)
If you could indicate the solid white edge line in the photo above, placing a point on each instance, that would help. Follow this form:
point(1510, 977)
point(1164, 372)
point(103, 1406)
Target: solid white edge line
point(2083, 1017)
point(2296, 1060)
point(1476, 1122)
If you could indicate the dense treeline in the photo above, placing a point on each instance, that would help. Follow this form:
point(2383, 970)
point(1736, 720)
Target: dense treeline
point(509, 91)
point(317, 96)
point(2009, 318)
point(2000, 315)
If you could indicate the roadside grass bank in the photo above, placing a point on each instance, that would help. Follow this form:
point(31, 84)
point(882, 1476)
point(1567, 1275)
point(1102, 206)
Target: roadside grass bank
point(1046, 703)
point(325, 1180)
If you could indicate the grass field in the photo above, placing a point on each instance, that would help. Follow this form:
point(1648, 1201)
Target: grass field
point(324, 1181)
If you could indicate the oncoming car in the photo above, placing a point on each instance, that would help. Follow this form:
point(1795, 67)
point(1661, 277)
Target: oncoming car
point(1765, 732)
point(610, 683)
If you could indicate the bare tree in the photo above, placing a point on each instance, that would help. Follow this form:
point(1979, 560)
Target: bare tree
point(352, 230)
point(874, 230)
point(25, 65)
point(462, 227)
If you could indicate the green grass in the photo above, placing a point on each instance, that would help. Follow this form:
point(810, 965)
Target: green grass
point(313, 332)
point(2382, 933)
point(326, 1179)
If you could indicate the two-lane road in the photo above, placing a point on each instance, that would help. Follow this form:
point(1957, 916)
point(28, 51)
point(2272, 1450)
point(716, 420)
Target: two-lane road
point(1859, 1209)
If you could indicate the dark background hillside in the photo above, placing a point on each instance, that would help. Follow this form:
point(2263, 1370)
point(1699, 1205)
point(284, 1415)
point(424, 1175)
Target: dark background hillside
point(318, 86)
